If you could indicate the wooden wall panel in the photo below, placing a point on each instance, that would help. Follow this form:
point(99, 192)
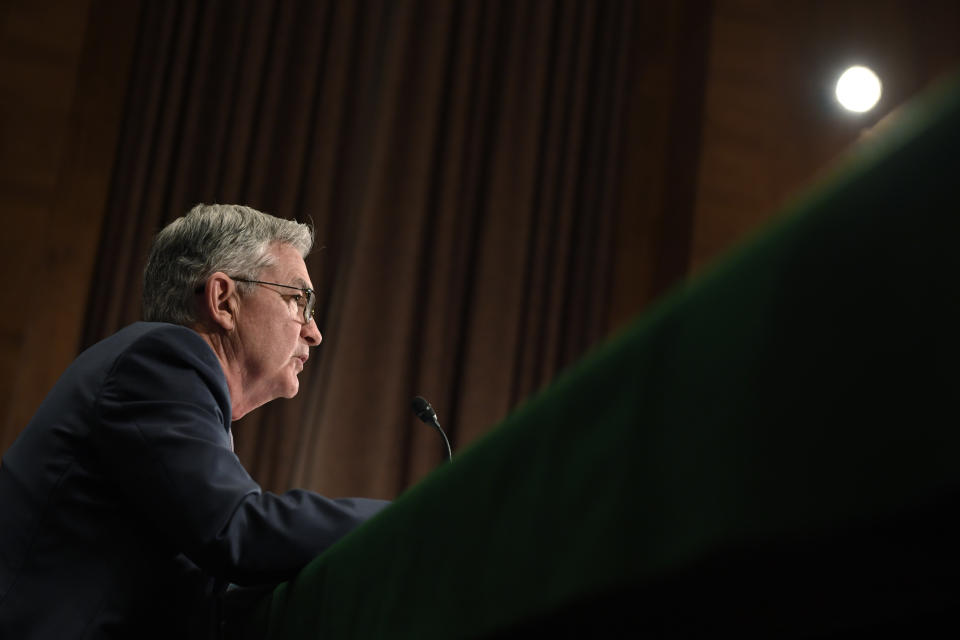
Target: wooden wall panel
point(771, 124)
point(63, 73)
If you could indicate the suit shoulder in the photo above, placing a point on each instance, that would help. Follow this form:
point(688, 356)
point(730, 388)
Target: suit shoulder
point(147, 350)
point(169, 342)
point(159, 360)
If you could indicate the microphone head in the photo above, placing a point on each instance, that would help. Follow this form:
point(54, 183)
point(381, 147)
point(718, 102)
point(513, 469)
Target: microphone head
point(423, 410)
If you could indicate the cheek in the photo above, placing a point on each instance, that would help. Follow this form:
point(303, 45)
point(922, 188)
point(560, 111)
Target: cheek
point(285, 341)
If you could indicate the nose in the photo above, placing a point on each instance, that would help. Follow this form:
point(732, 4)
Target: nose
point(310, 333)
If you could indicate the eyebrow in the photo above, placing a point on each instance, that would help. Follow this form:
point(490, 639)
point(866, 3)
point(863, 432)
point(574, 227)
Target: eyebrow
point(302, 283)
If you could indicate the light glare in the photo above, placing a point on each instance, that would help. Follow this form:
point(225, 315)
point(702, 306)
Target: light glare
point(858, 89)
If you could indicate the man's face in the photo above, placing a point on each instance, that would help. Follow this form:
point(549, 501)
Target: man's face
point(272, 339)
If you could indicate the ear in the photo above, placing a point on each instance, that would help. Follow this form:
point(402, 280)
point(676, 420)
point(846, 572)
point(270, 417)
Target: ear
point(218, 301)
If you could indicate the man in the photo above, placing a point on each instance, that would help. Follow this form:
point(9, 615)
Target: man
point(124, 512)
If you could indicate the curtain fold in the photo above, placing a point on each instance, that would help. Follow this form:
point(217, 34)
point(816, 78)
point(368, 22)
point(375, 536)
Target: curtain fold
point(463, 166)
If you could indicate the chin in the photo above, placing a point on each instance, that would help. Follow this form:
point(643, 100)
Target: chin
point(291, 389)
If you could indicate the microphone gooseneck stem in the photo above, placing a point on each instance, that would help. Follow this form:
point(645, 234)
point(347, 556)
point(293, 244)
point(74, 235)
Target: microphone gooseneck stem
point(436, 425)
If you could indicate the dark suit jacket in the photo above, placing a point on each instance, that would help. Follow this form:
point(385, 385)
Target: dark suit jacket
point(122, 499)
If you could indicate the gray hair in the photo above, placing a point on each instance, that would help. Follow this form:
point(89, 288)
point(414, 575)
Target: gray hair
point(218, 237)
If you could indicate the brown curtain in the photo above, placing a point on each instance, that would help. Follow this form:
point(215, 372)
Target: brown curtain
point(492, 185)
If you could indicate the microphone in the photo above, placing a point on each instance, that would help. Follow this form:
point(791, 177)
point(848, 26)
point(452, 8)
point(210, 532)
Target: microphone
point(425, 412)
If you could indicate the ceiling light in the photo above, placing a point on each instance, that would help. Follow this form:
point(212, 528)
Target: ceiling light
point(858, 89)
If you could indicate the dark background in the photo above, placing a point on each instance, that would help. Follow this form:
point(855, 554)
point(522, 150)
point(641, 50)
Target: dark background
point(496, 185)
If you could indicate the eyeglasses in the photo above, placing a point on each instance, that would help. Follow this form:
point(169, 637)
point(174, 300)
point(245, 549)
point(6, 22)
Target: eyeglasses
point(304, 302)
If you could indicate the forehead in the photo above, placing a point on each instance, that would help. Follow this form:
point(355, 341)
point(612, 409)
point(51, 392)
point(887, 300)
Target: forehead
point(288, 266)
